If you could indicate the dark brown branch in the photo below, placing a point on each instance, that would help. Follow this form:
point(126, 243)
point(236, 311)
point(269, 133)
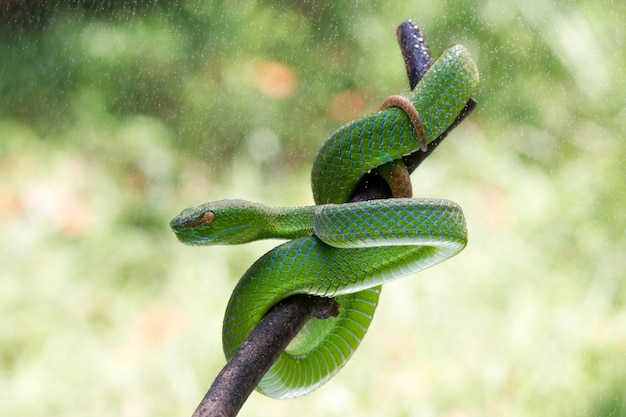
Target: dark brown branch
point(275, 331)
point(415, 51)
point(256, 355)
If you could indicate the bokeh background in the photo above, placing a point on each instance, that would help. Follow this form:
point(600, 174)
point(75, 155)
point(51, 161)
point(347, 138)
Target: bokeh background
point(116, 115)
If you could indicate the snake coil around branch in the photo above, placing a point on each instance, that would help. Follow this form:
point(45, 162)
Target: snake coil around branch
point(381, 240)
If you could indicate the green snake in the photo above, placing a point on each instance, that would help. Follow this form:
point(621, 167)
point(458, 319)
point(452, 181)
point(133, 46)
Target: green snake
point(338, 249)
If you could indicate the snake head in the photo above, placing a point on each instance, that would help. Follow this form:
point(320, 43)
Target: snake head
point(224, 222)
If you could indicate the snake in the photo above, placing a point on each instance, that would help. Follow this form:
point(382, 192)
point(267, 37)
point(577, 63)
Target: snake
point(337, 248)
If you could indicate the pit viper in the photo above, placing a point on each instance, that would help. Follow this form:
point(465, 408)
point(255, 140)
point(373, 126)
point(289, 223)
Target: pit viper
point(340, 249)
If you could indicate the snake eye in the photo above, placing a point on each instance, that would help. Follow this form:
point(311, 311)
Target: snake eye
point(207, 218)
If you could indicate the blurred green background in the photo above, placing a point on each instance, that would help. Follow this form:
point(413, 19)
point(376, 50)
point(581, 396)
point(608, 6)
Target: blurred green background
point(114, 116)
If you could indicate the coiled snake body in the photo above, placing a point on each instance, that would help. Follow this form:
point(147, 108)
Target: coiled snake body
point(339, 249)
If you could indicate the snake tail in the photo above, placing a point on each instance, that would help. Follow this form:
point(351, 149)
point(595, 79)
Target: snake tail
point(388, 135)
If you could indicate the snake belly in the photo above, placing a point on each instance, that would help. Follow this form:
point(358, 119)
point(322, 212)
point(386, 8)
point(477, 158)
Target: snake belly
point(433, 231)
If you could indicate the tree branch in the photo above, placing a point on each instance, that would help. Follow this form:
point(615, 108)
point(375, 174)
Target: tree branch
point(256, 355)
point(275, 331)
point(415, 51)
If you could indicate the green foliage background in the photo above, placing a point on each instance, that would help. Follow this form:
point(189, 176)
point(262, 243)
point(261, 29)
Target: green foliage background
point(114, 116)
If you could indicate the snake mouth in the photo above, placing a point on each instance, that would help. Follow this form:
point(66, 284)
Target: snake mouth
point(231, 235)
point(190, 238)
